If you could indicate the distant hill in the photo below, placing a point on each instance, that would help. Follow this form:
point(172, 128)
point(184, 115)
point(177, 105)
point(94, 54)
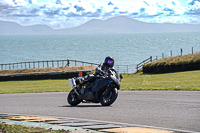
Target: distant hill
point(120, 24)
point(11, 28)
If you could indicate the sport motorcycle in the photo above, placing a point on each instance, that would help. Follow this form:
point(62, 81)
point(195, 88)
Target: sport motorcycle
point(103, 90)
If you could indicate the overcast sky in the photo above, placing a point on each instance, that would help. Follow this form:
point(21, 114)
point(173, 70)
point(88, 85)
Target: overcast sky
point(70, 13)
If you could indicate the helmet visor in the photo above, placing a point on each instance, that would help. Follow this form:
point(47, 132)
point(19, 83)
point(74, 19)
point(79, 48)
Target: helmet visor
point(111, 63)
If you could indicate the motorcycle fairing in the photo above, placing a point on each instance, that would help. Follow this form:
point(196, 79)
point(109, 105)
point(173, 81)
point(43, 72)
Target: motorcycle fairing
point(116, 81)
point(99, 84)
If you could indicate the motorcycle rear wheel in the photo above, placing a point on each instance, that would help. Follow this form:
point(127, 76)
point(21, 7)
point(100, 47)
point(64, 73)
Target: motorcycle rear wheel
point(72, 98)
point(107, 100)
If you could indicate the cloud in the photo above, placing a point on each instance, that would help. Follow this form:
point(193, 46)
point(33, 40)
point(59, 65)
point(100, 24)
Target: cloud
point(71, 13)
point(194, 7)
point(193, 2)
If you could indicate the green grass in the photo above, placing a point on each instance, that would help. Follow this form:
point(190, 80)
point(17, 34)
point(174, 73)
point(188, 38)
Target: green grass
point(189, 80)
point(34, 86)
point(4, 128)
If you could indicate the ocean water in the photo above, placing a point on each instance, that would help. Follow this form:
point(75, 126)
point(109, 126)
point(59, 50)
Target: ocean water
point(126, 49)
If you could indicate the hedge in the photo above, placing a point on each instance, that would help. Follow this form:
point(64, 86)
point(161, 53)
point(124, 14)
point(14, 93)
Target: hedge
point(41, 76)
point(174, 64)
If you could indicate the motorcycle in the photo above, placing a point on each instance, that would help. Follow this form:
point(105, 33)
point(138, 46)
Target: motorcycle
point(103, 90)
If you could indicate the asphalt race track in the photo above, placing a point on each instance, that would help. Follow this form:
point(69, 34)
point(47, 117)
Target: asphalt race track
point(166, 109)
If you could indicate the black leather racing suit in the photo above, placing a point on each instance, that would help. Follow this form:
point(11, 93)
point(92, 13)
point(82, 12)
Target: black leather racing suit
point(102, 68)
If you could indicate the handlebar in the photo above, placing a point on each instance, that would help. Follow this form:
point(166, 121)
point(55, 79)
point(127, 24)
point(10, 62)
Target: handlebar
point(100, 73)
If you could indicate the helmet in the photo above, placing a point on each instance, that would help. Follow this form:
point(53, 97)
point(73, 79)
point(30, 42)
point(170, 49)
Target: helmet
point(109, 61)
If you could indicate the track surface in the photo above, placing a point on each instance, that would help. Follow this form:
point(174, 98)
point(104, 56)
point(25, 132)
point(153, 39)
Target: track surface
point(167, 109)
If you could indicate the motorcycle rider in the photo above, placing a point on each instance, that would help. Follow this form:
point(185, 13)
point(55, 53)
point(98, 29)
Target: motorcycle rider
point(102, 68)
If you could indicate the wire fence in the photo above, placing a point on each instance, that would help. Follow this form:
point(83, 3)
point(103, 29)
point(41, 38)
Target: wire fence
point(140, 65)
point(61, 63)
point(171, 53)
point(126, 69)
point(43, 64)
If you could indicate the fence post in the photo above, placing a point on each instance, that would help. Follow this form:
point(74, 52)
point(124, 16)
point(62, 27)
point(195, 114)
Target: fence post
point(192, 50)
point(162, 55)
point(33, 64)
point(57, 63)
point(67, 62)
point(181, 52)
point(151, 58)
point(171, 53)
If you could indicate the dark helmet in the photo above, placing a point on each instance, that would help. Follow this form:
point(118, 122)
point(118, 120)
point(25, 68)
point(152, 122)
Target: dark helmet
point(109, 61)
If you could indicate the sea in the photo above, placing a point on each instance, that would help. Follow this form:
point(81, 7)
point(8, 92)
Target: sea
point(126, 49)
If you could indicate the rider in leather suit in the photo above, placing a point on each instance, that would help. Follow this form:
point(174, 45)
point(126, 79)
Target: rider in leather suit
point(102, 68)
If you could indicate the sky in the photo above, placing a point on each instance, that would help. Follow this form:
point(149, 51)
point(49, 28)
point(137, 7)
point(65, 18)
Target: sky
point(59, 14)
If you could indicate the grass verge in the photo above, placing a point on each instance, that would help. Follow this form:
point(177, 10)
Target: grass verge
point(176, 60)
point(47, 69)
point(34, 86)
point(183, 81)
point(4, 128)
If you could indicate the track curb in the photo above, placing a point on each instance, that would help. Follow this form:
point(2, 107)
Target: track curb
point(81, 125)
point(47, 126)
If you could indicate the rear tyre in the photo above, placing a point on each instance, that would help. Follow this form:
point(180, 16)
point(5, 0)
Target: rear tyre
point(73, 98)
point(108, 99)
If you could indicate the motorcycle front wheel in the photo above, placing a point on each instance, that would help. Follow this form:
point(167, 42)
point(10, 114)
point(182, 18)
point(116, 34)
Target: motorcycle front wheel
point(73, 98)
point(109, 98)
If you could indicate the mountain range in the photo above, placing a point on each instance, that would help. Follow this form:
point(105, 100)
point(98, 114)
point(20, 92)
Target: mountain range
point(115, 25)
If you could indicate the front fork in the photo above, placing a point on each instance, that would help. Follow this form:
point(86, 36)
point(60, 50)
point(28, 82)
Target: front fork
point(108, 89)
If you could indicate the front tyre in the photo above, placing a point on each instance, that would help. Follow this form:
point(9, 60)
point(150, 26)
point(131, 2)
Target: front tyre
point(109, 98)
point(73, 98)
